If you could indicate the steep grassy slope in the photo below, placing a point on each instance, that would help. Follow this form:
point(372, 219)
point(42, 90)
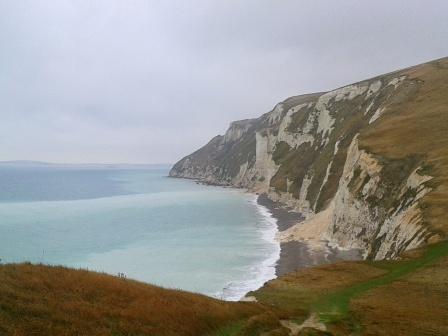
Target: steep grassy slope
point(418, 127)
point(406, 297)
point(43, 300)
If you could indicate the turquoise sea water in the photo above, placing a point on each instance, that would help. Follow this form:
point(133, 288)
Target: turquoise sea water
point(152, 228)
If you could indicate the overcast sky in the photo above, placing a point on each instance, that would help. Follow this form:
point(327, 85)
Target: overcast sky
point(151, 81)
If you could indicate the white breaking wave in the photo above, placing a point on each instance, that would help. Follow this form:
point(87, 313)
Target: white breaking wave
point(262, 272)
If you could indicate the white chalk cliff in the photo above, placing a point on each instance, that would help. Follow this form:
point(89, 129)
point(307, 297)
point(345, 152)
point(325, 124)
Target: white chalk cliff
point(306, 154)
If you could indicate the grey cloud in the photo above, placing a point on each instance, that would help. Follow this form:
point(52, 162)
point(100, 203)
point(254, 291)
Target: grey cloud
point(150, 81)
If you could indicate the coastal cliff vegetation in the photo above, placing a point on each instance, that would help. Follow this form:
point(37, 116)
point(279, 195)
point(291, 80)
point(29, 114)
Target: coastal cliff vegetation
point(372, 153)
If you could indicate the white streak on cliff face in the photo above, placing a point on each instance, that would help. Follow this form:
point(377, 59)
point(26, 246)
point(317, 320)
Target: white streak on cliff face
point(378, 113)
point(236, 130)
point(297, 108)
point(287, 118)
point(402, 228)
point(309, 125)
point(325, 124)
point(325, 120)
point(406, 221)
point(358, 224)
point(397, 81)
point(327, 174)
point(336, 147)
point(348, 92)
point(276, 114)
point(297, 138)
point(264, 165)
point(369, 107)
point(303, 205)
point(352, 220)
point(373, 88)
point(409, 213)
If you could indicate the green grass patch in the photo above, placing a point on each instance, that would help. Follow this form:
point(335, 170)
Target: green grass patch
point(230, 330)
point(335, 307)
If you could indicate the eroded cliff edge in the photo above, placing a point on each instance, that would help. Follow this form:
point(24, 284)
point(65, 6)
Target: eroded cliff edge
point(365, 163)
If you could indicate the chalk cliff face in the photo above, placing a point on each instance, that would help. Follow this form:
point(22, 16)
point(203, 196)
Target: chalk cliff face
point(310, 152)
point(375, 211)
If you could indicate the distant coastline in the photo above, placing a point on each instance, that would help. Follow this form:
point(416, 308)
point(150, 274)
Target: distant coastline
point(37, 164)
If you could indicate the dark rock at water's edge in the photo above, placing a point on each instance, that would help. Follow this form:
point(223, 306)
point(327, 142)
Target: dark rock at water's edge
point(285, 216)
point(295, 254)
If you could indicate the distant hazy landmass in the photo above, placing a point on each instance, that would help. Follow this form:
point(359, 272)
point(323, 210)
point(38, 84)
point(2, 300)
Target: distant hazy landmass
point(34, 164)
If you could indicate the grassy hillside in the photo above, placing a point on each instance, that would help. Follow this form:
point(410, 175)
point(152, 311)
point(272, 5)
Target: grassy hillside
point(406, 297)
point(418, 126)
point(43, 300)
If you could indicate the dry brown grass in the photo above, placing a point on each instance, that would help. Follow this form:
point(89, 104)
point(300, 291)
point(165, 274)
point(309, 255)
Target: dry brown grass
point(293, 295)
point(44, 300)
point(414, 305)
point(419, 125)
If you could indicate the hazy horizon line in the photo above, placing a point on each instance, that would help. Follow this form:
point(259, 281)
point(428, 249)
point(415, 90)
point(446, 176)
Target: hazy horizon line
point(38, 162)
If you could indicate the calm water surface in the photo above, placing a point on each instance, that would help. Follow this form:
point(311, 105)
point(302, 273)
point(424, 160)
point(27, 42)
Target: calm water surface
point(170, 232)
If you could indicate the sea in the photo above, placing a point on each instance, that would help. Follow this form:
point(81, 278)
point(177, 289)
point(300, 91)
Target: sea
point(136, 221)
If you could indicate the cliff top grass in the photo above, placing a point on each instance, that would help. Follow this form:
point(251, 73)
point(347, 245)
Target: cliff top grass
point(418, 125)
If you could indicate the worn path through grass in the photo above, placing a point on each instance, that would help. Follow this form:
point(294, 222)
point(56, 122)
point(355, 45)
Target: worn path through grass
point(335, 307)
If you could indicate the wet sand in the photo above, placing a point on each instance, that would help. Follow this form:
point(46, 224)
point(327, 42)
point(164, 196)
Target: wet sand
point(295, 254)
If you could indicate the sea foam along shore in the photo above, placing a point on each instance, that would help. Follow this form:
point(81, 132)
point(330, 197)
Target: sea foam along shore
point(262, 272)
